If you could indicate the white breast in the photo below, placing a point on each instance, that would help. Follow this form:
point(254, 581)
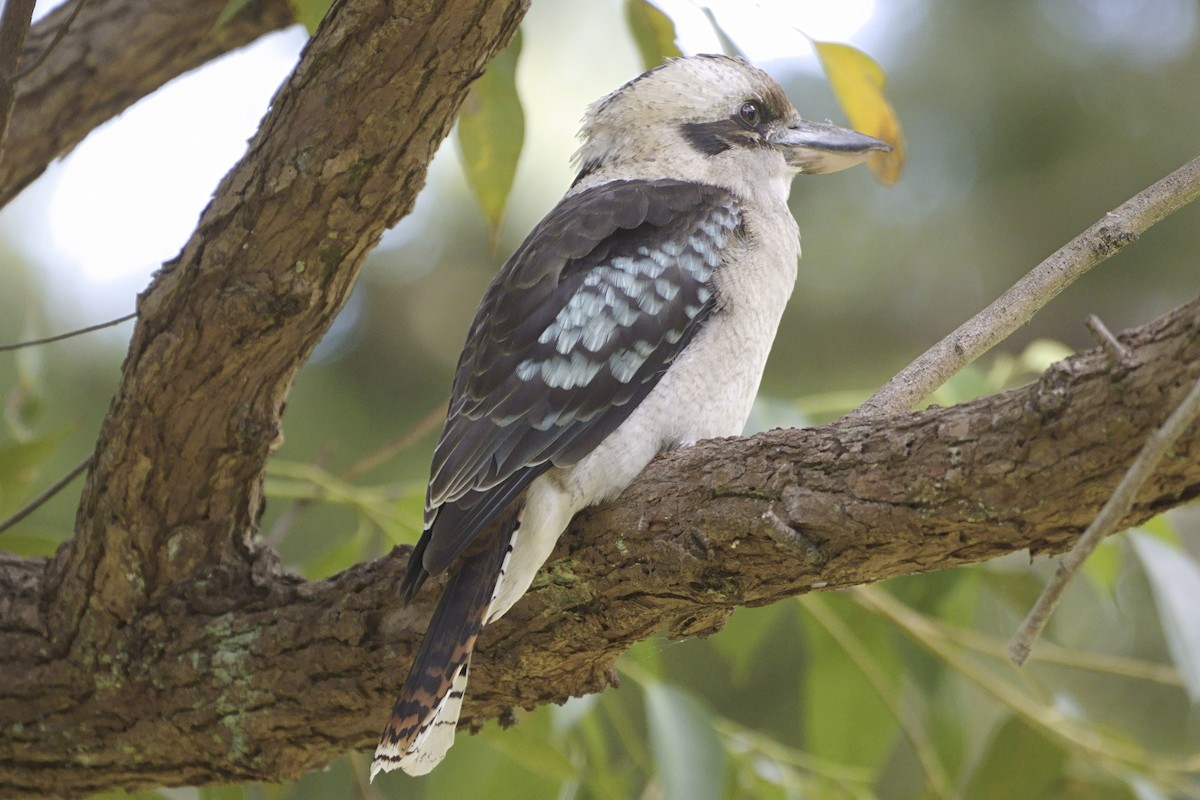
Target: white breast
point(707, 392)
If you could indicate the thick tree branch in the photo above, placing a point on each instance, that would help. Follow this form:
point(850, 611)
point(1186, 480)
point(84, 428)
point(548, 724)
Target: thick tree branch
point(1158, 444)
point(273, 678)
point(176, 481)
point(115, 53)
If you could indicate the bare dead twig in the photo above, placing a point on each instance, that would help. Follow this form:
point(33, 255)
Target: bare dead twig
point(1015, 307)
point(41, 499)
point(5, 348)
point(356, 470)
point(59, 33)
point(1118, 352)
point(410, 437)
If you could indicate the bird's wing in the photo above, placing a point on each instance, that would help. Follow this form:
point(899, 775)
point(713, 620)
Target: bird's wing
point(576, 329)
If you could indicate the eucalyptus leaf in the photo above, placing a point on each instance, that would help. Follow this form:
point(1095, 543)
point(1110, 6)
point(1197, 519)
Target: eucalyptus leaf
point(1020, 761)
point(534, 747)
point(232, 7)
point(845, 720)
point(688, 754)
point(1175, 580)
point(653, 32)
point(491, 133)
point(20, 465)
point(309, 13)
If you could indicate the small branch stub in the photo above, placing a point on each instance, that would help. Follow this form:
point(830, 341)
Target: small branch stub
point(1118, 352)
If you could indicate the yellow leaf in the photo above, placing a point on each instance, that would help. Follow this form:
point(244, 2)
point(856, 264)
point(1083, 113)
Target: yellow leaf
point(857, 82)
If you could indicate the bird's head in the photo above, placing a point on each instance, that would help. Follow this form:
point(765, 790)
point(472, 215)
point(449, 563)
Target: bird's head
point(715, 119)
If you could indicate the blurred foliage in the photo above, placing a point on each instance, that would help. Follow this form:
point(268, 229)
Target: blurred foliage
point(491, 132)
point(306, 12)
point(1027, 121)
point(653, 32)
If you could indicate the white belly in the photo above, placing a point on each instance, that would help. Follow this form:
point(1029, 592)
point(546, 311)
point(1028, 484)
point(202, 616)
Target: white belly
point(706, 393)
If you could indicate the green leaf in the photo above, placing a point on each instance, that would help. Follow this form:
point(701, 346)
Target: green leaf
point(31, 544)
point(1081, 790)
point(1175, 580)
point(653, 32)
point(1020, 761)
point(345, 553)
point(602, 778)
point(309, 13)
point(491, 133)
point(20, 464)
point(24, 403)
point(967, 384)
point(845, 719)
point(533, 745)
point(232, 7)
point(1103, 566)
point(1041, 353)
point(570, 714)
point(687, 751)
point(744, 636)
point(475, 768)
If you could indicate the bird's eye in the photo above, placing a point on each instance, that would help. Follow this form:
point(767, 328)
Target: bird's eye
point(750, 114)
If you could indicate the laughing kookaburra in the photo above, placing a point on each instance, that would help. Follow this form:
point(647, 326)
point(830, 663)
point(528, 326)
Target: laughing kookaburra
point(637, 316)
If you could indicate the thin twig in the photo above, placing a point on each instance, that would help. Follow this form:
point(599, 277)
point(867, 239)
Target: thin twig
point(4, 348)
point(288, 518)
point(1053, 719)
point(41, 499)
point(59, 33)
point(410, 437)
point(1104, 337)
point(1014, 308)
point(1117, 507)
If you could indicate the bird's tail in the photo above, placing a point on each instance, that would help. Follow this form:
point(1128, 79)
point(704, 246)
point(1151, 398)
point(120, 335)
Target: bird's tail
point(425, 716)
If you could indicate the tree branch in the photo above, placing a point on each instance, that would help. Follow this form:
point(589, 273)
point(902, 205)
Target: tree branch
point(176, 480)
point(1158, 443)
point(14, 27)
point(1118, 228)
point(278, 676)
point(115, 53)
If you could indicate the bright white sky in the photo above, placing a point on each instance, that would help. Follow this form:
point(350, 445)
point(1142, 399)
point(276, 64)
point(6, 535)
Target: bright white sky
point(99, 223)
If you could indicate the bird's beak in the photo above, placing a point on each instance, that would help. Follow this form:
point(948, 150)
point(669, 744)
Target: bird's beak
point(816, 147)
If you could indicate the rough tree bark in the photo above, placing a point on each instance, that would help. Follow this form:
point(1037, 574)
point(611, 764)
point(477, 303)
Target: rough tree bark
point(163, 646)
point(115, 53)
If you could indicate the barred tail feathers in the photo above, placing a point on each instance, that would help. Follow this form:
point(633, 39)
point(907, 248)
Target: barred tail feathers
point(425, 716)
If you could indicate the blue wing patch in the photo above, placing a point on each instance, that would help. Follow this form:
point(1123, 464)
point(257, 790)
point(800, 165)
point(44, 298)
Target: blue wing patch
point(576, 329)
